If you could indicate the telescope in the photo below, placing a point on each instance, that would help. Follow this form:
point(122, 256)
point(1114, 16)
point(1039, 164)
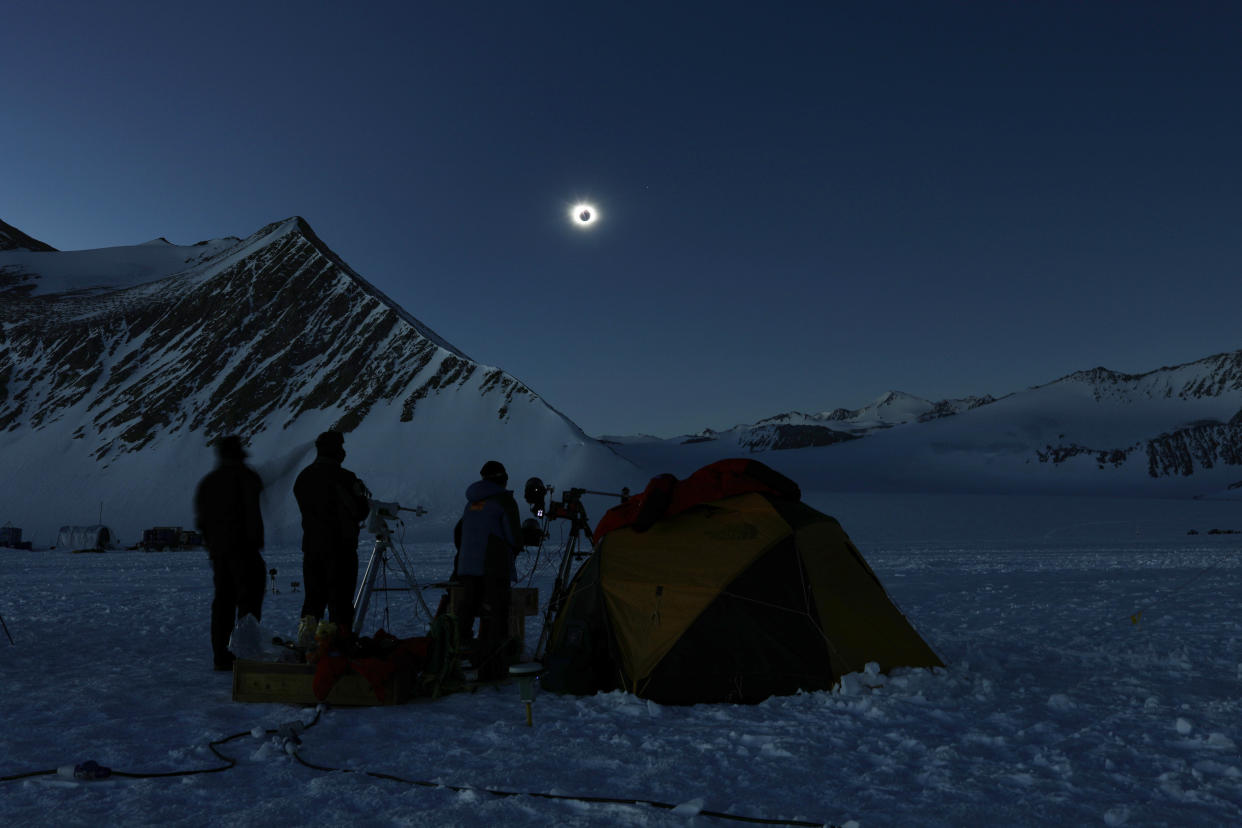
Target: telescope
point(570, 504)
point(382, 511)
point(570, 508)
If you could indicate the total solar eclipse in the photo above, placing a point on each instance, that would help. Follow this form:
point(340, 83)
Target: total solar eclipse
point(583, 215)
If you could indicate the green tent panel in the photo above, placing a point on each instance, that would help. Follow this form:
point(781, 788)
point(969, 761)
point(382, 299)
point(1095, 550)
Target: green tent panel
point(859, 619)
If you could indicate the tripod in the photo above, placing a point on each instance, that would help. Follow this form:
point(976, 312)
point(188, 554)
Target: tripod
point(377, 524)
point(572, 551)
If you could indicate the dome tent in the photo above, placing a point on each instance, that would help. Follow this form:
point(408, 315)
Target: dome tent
point(723, 587)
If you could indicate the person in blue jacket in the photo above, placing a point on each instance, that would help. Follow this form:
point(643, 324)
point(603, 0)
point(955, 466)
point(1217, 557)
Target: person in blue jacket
point(488, 539)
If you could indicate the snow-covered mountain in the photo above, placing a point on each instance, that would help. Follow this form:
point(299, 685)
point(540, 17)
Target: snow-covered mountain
point(1174, 431)
point(118, 366)
point(798, 430)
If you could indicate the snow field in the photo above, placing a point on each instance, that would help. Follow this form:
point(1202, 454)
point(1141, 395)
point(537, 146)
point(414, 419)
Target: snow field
point(1054, 709)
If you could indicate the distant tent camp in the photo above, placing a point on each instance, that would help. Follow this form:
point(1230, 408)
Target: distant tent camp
point(723, 587)
point(85, 537)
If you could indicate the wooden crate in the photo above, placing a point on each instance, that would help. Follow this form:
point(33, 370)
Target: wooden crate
point(261, 681)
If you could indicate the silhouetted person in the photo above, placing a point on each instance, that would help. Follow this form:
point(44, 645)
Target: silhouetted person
point(226, 511)
point(489, 536)
point(333, 502)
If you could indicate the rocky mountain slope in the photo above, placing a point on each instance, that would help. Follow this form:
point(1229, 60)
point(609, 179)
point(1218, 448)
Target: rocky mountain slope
point(119, 366)
point(13, 239)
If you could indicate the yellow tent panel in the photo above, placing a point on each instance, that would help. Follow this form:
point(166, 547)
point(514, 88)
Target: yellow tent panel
point(735, 592)
point(656, 583)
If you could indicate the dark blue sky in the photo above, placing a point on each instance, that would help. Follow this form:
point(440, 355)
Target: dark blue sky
point(802, 205)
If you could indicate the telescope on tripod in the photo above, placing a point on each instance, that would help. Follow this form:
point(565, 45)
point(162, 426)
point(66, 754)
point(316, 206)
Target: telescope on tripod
point(382, 553)
point(570, 508)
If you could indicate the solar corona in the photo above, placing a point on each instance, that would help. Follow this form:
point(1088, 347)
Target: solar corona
point(583, 215)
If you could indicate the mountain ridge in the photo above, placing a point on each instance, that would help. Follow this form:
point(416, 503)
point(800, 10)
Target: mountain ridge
point(1175, 431)
point(272, 337)
point(119, 366)
point(13, 239)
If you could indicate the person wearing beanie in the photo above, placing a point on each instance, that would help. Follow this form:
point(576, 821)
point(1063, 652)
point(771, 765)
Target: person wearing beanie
point(488, 538)
point(226, 511)
point(333, 503)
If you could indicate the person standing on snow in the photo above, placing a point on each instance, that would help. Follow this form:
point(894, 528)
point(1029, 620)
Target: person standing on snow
point(333, 502)
point(488, 539)
point(226, 511)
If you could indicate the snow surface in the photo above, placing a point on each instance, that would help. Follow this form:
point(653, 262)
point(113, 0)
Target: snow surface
point(1054, 708)
point(109, 268)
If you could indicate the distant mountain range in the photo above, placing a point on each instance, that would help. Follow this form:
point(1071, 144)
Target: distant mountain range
point(798, 430)
point(118, 366)
point(1174, 431)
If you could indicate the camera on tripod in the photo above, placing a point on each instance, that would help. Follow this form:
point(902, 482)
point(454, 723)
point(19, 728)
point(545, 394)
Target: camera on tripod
point(536, 494)
point(570, 508)
point(383, 511)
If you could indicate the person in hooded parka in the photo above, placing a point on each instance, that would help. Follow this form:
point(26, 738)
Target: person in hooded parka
point(488, 540)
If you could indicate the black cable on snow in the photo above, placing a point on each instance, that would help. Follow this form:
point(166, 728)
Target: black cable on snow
point(229, 762)
point(606, 800)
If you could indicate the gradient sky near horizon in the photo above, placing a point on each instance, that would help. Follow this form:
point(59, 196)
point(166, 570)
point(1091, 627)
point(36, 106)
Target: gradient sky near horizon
point(801, 205)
